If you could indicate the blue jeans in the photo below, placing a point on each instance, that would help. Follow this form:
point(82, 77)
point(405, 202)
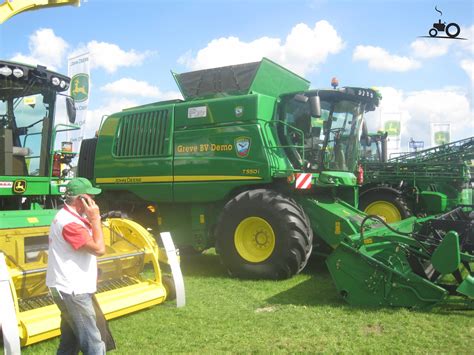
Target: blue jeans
point(78, 325)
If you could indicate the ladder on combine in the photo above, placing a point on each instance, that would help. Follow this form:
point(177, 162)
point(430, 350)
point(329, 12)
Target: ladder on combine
point(458, 151)
point(10, 8)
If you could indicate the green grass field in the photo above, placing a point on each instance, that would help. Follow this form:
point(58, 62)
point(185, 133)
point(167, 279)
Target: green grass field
point(303, 314)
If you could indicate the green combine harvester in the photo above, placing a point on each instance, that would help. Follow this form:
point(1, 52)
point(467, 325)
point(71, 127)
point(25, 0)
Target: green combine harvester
point(257, 165)
point(426, 182)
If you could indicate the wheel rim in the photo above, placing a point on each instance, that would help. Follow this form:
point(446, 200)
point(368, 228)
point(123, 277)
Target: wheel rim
point(254, 239)
point(384, 209)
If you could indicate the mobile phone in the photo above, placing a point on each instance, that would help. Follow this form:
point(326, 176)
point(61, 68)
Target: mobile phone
point(84, 199)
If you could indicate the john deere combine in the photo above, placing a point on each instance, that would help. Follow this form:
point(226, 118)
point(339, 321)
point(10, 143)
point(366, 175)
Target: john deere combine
point(32, 177)
point(253, 163)
point(426, 182)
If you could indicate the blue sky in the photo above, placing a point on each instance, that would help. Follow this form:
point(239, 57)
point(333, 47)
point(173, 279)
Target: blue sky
point(135, 44)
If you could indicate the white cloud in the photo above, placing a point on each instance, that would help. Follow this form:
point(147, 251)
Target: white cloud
point(110, 57)
point(428, 48)
point(45, 48)
point(468, 66)
point(302, 51)
point(132, 87)
point(381, 60)
point(128, 86)
point(418, 109)
point(467, 46)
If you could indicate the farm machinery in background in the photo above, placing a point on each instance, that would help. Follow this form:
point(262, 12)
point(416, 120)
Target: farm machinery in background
point(33, 175)
point(11, 8)
point(255, 164)
point(426, 182)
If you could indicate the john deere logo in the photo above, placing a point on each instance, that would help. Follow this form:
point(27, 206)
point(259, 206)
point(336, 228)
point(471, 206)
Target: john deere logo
point(392, 128)
point(19, 186)
point(80, 87)
point(441, 137)
point(242, 146)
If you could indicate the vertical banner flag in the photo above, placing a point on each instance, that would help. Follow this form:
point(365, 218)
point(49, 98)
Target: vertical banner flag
point(78, 71)
point(440, 133)
point(392, 124)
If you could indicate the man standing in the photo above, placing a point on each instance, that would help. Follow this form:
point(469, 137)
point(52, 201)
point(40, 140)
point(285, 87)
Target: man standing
point(75, 239)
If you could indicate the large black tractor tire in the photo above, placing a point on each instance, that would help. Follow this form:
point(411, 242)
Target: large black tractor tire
point(262, 234)
point(385, 204)
point(85, 164)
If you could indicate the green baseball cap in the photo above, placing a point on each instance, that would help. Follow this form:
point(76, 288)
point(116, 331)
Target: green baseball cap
point(79, 186)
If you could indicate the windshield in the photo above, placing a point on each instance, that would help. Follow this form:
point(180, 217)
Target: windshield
point(329, 142)
point(23, 121)
point(27, 109)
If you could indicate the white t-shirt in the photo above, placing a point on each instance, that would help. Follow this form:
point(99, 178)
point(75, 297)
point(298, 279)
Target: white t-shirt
point(70, 269)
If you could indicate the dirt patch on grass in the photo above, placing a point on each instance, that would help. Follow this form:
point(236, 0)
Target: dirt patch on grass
point(265, 309)
point(373, 329)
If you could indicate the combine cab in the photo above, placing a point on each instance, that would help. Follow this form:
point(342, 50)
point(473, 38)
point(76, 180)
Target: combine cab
point(33, 174)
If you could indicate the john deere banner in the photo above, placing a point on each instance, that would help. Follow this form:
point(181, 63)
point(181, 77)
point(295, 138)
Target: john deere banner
point(78, 70)
point(440, 133)
point(391, 123)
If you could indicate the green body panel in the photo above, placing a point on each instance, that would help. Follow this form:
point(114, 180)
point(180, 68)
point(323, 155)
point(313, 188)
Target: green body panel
point(147, 177)
point(337, 178)
point(35, 186)
point(274, 80)
point(446, 258)
point(467, 287)
point(26, 219)
point(331, 220)
point(214, 157)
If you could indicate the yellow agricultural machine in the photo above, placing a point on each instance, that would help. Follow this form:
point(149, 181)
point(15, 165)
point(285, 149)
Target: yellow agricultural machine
point(11, 8)
point(122, 289)
point(33, 175)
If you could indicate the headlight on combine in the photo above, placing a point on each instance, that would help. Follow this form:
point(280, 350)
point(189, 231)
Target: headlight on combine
point(6, 71)
point(18, 73)
point(55, 81)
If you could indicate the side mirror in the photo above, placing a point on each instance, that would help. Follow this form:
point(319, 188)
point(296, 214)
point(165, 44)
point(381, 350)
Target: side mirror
point(71, 110)
point(315, 105)
point(365, 138)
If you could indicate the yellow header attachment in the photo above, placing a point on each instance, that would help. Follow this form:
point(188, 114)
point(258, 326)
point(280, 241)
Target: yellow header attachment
point(10, 8)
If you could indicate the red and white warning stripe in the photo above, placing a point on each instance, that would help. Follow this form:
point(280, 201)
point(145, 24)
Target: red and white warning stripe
point(303, 181)
point(6, 184)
